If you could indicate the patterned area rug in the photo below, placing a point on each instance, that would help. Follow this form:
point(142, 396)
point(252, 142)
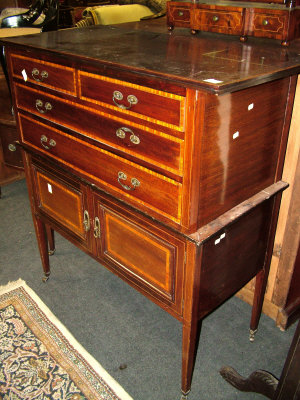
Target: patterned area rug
point(39, 358)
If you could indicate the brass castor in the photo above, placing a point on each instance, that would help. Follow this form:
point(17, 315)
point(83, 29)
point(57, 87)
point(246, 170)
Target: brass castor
point(46, 277)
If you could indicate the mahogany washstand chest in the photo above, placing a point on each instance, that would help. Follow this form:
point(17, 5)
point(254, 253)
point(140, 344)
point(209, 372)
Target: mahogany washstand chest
point(279, 19)
point(160, 155)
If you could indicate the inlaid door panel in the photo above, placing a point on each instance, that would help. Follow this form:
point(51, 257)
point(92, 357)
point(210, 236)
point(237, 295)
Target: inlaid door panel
point(152, 261)
point(64, 201)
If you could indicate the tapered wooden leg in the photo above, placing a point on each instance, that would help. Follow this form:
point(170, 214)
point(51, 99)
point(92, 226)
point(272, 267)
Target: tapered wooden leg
point(190, 340)
point(41, 235)
point(260, 288)
point(51, 241)
point(262, 276)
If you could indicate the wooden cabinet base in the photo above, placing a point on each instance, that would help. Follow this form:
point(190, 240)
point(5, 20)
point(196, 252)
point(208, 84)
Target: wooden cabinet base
point(187, 275)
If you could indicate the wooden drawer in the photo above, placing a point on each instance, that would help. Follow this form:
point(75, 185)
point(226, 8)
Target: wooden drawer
point(266, 24)
point(44, 73)
point(64, 201)
point(216, 19)
point(127, 180)
point(150, 258)
point(162, 150)
point(149, 104)
point(179, 14)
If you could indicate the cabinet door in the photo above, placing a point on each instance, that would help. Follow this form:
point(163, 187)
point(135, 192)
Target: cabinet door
point(146, 257)
point(63, 201)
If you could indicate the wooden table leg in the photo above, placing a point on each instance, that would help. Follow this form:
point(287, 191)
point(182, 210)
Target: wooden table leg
point(190, 340)
point(262, 276)
point(42, 239)
point(51, 241)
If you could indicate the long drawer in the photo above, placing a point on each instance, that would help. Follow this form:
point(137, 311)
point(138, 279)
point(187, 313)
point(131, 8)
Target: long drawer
point(136, 184)
point(162, 150)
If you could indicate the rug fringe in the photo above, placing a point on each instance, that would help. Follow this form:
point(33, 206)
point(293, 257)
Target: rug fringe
point(12, 285)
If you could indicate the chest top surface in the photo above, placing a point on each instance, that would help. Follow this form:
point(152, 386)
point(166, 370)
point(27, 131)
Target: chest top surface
point(218, 64)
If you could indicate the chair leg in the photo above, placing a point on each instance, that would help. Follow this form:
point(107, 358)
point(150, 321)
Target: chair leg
point(4, 66)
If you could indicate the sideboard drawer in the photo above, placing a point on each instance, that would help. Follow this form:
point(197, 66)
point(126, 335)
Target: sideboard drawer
point(44, 73)
point(149, 104)
point(159, 149)
point(267, 24)
point(219, 20)
point(127, 180)
point(179, 14)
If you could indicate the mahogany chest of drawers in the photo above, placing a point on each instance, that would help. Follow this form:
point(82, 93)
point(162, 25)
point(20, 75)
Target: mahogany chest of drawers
point(169, 180)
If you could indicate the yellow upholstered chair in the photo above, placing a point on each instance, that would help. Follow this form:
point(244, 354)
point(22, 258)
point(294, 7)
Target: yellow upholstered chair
point(113, 14)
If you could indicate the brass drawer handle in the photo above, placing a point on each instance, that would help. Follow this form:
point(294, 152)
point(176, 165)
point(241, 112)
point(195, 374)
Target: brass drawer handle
point(265, 22)
point(37, 76)
point(180, 13)
point(118, 96)
point(39, 104)
point(121, 133)
point(135, 182)
point(215, 18)
point(97, 230)
point(86, 221)
point(12, 147)
point(44, 140)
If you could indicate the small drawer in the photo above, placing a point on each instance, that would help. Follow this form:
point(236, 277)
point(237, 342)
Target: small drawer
point(44, 73)
point(266, 25)
point(179, 14)
point(159, 149)
point(149, 104)
point(129, 181)
point(216, 20)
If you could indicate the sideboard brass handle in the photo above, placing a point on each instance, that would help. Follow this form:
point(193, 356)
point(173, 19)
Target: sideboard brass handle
point(215, 18)
point(12, 147)
point(121, 133)
point(180, 13)
point(37, 76)
point(97, 231)
point(134, 182)
point(86, 221)
point(39, 104)
point(118, 96)
point(44, 140)
point(265, 22)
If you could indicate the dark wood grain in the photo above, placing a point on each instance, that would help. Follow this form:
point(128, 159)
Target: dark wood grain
point(178, 56)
